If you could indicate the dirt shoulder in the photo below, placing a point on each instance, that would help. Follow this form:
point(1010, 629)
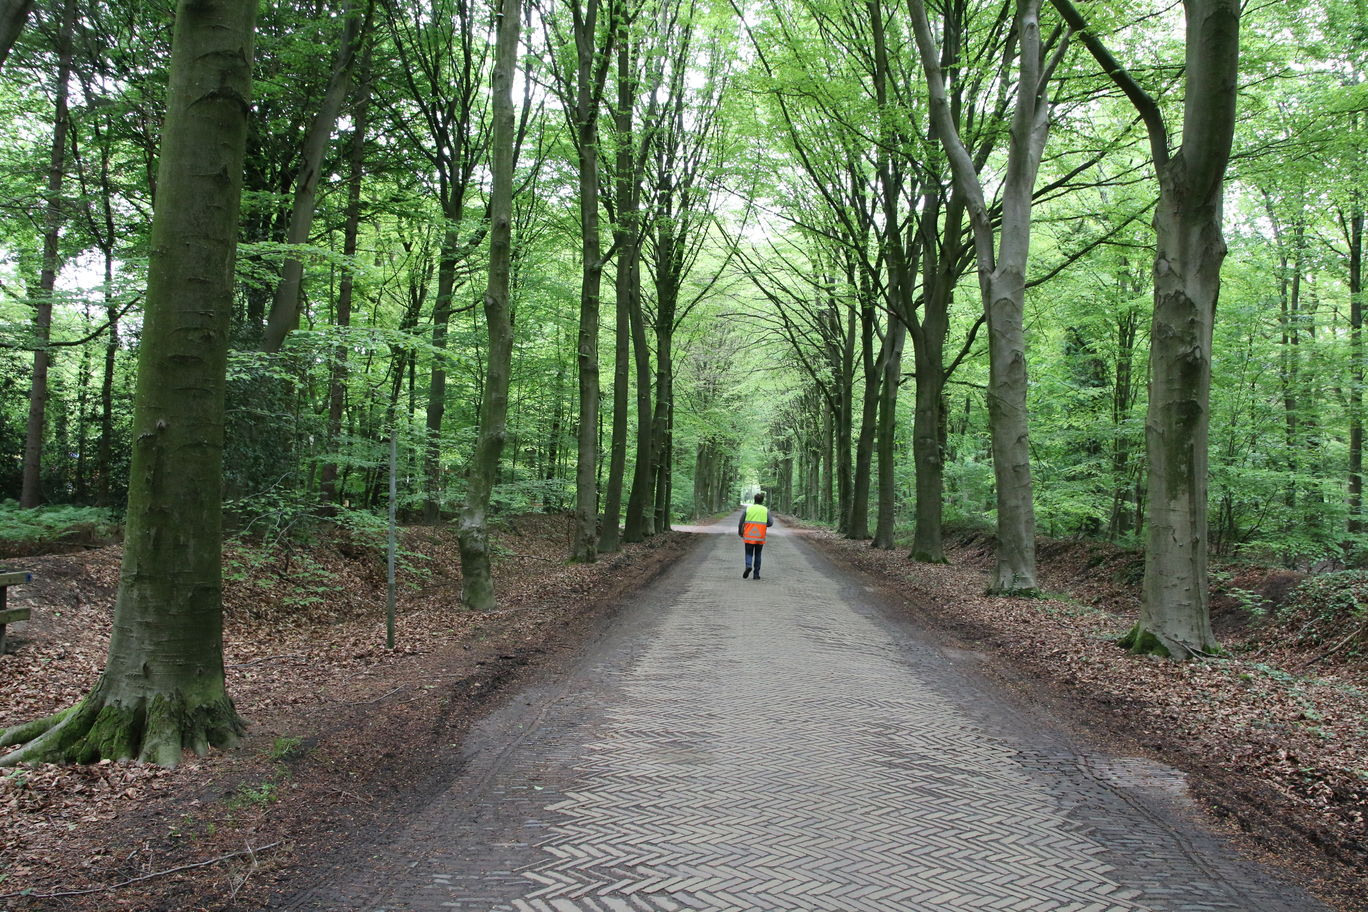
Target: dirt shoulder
point(1279, 759)
point(344, 735)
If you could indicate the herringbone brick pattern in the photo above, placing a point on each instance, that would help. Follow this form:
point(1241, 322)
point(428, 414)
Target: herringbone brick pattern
point(781, 745)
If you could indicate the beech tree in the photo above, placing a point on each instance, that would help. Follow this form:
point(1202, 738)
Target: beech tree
point(1175, 616)
point(1002, 275)
point(53, 219)
point(162, 690)
point(477, 589)
point(580, 84)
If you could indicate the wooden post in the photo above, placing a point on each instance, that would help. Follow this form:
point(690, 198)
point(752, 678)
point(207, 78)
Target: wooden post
point(393, 510)
point(8, 614)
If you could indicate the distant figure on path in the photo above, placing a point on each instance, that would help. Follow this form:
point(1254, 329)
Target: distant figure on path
point(755, 519)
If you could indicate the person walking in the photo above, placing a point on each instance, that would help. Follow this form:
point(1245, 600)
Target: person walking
point(755, 520)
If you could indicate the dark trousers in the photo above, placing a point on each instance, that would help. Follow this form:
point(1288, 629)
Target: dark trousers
point(754, 549)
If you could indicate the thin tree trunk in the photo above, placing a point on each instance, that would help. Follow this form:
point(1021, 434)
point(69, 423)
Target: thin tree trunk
point(590, 72)
point(284, 316)
point(858, 526)
point(31, 494)
point(162, 689)
point(660, 419)
point(477, 587)
point(337, 373)
point(104, 454)
point(1358, 369)
point(927, 452)
point(885, 526)
point(845, 419)
point(640, 515)
point(585, 545)
point(626, 290)
point(436, 404)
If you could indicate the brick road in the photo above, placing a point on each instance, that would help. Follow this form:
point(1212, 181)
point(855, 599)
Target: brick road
point(790, 744)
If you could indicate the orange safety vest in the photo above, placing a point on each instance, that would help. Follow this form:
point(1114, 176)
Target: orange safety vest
point(757, 520)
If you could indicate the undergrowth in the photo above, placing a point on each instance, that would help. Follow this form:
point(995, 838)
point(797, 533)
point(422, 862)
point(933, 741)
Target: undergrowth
point(55, 524)
point(1330, 612)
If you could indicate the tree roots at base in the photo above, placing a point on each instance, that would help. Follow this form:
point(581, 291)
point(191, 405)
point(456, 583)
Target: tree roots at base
point(1141, 641)
point(155, 730)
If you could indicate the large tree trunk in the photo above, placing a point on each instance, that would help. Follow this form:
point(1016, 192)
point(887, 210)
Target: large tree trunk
point(284, 316)
point(13, 15)
point(1016, 567)
point(1002, 279)
point(1174, 613)
point(163, 688)
point(477, 587)
point(31, 494)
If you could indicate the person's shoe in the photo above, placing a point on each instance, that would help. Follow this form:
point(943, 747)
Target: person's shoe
point(757, 575)
point(746, 573)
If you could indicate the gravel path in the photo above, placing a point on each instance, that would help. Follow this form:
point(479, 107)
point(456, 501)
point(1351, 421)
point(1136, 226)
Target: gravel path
point(790, 744)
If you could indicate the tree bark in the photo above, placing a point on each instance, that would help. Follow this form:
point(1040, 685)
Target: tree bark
point(13, 15)
point(627, 288)
point(162, 689)
point(1190, 248)
point(31, 494)
point(858, 525)
point(886, 523)
point(583, 95)
point(477, 587)
point(1358, 369)
point(284, 316)
point(640, 504)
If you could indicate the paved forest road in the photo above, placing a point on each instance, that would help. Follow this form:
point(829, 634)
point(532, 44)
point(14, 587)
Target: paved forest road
point(789, 745)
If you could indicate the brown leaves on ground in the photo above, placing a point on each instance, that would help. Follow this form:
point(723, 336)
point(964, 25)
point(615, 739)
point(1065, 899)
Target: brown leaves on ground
point(339, 725)
point(1297, 743)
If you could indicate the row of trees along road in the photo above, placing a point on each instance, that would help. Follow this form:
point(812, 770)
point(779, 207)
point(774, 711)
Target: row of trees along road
point(806, 213)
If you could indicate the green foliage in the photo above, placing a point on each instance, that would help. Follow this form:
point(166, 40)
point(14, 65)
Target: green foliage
point(285, 747)
point(253, 795)
point(280, 576)
point(53, 524)
point(1330, 611)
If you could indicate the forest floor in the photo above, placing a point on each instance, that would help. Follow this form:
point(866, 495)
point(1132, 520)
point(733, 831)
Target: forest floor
point(346, 736)
point(343, 733)
point(1273, 736)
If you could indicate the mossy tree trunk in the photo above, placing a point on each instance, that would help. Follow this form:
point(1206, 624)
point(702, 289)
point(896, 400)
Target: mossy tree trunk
point(162, 689)
point(477, 587)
